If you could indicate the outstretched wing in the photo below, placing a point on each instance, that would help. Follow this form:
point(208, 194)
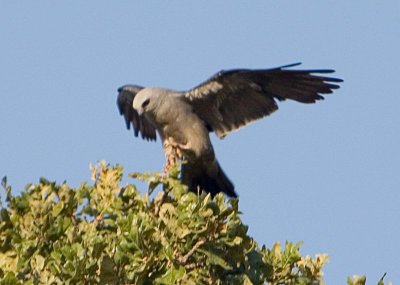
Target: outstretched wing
point(232, 99)
point(140, 125)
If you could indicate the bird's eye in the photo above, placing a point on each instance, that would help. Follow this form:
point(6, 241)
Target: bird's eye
point(145, 103)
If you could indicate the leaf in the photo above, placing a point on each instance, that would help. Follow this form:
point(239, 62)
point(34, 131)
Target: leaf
point(57, 209)
point(9, 279)
point(167, 211)
point(9, 261)
point(247, 281)
point(381, 282)
point(107, 272)
point(356, 280)
point(182, 231)
point(39, 260)
point(172, 275)
point(215, 259)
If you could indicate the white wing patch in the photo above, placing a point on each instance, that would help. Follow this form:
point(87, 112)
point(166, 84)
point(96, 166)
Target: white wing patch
point(204, 90)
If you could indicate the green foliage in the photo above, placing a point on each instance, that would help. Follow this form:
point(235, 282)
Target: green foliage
point(361, 280)
point(108, 234)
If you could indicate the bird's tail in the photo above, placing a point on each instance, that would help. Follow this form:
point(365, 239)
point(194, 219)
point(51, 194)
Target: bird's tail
point(203, 178)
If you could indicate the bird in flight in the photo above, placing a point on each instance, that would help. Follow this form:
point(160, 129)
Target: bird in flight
point(224, 103)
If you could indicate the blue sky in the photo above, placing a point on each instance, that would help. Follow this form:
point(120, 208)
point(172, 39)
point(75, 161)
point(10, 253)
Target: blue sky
point(326, 174)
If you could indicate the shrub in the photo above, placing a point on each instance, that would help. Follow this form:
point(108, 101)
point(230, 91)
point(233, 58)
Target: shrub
point(109, 234)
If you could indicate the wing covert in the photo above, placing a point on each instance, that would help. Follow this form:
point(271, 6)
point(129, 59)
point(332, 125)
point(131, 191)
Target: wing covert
point(232, 99)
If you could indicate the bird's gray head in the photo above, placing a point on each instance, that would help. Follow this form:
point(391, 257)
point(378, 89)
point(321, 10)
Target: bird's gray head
point(146, 100)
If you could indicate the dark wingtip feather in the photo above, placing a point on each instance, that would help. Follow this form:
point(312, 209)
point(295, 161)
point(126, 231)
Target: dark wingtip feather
point(319, 70)
point(332, 86)
point(127, 122)
point(338, 80)
point(289, 65)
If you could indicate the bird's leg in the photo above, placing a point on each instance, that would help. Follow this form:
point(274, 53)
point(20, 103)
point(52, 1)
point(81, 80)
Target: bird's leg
point(172, 154)
point(168, 157)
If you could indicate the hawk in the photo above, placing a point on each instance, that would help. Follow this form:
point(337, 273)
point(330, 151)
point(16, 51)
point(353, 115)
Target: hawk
point(224, 103)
